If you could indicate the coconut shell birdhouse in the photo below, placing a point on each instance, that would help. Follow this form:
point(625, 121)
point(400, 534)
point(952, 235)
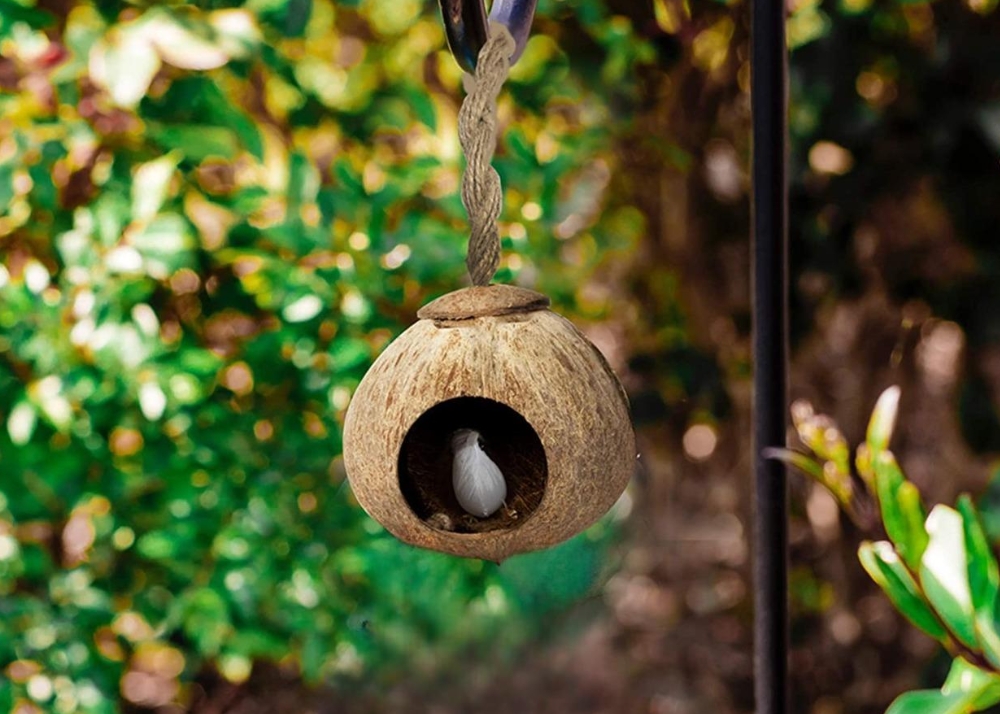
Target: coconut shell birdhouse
point(492, 426)
point(548, 411)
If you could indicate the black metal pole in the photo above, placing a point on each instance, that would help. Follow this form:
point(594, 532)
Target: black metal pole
point(769, 101)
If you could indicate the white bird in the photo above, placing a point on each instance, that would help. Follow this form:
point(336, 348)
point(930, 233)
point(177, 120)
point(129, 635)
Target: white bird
point(478, 482)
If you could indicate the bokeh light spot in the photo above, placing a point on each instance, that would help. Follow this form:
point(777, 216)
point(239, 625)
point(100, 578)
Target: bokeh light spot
point(699, 442)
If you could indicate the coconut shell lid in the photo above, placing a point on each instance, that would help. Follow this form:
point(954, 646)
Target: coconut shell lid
point(483, 301)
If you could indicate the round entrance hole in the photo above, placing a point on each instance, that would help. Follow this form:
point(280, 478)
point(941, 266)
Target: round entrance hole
point(426, 457)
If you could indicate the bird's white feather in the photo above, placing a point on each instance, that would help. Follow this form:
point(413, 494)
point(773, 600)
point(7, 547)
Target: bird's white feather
point(478, 482)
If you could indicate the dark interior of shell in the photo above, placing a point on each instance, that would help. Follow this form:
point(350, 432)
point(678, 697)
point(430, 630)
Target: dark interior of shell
point(426, 458)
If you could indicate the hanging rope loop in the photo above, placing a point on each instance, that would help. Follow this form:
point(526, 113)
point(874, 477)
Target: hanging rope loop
point(482, 194)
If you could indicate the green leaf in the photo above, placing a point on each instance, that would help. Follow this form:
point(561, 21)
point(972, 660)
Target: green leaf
point(12, 12)
point(197, 142)
point(220, 111)
point(199, 362)
point(928, 701)
point(902, 512)
point(303, 308)
point(348, 353)
point(206, 620)
point(303, 184)
point(981, 689)
point(165, 244)
point(805, 464)
point(49, 395)
point(21, 423)
point(944, 573)
point(184, 43)
point(157, 545)
point(826, 474)
point(124, 63)
point(421, 103)
point(885, 568)
point(821, 435)
point(914, 514)
point(236, 31)
point(348, 176)
point(984, 579)
point(967, 689)
point(989, 637)
point(883, 421)
point(150, 185)
point(863, 463)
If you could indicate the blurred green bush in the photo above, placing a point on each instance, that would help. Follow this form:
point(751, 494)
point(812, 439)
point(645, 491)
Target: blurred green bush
point(212, 218)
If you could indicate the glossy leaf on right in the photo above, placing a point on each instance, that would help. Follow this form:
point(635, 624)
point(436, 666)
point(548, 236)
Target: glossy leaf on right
point(944, 573)
point(885, 567)
point(967, 689)
point(984, 579)
point(928, 701)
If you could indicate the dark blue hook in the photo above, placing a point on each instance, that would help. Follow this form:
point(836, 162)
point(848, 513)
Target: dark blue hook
point(467, 26)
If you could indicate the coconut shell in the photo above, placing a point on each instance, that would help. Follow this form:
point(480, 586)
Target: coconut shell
point(552, 414)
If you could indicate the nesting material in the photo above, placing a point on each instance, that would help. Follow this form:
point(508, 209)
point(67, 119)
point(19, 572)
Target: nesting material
point(552, 416)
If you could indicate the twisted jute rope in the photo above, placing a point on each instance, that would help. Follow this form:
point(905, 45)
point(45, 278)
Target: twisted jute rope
point(477, 132)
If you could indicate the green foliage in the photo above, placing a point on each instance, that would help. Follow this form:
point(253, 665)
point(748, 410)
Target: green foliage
point(212, 218)
point(937, 569)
